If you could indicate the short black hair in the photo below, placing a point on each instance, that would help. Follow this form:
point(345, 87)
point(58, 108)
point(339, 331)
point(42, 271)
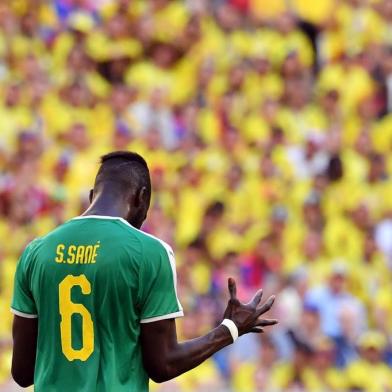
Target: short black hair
point(127, 156)
point(125, 170)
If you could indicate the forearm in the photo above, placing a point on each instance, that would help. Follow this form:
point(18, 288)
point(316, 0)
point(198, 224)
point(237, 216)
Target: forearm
point(164, 358)
point(189, 354)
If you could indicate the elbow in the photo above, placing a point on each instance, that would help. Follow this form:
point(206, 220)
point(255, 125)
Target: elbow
point(160, 373)
point(21, 379)
point(24, 383)
point(159, 376)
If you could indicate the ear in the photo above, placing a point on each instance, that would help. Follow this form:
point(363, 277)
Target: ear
point(91, 195)
point(141, 197)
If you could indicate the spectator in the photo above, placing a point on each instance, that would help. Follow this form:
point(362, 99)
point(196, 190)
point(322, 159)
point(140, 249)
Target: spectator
point(268, 131)
point(362, 373)
point(332, 298)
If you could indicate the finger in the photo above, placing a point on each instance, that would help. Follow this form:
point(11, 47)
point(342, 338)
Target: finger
point(257, 298)
point(257, 330)
point(266, 307)
point(266, 322)
point(232, 288)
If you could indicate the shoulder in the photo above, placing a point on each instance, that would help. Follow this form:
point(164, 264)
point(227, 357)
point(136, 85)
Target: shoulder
point(149, 242)
point(317, 294)
point(152, 244)
point(32, 246)
point(355, 366)
point(28, 256)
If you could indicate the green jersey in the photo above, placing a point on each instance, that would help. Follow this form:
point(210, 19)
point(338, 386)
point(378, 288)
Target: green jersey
point(91, 282)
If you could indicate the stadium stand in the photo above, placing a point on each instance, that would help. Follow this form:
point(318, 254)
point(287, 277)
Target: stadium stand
point(268, 131)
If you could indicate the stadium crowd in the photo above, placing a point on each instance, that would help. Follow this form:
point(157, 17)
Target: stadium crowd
point(267, 128)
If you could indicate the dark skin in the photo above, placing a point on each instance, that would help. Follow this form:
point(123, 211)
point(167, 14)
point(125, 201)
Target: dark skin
point(157, 337)
point(25, 334)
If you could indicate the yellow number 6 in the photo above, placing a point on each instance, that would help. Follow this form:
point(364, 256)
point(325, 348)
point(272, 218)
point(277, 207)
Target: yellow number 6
point(67, 309)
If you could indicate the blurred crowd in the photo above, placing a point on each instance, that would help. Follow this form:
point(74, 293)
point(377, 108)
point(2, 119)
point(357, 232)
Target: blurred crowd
point(267, 128)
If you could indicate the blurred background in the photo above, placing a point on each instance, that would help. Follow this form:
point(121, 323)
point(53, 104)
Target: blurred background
point(267, 128)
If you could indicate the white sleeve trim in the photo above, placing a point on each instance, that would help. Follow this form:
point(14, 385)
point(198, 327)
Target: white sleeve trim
point(170, 255)
point(21, 314)
point(180, 313)
point(172, 260)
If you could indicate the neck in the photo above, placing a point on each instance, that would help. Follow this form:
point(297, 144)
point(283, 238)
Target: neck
point(105, 204)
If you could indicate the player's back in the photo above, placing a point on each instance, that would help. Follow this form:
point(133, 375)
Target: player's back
point(90, 280)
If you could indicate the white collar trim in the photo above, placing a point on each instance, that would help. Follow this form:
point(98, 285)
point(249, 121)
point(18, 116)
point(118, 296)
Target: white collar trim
point(103, 217)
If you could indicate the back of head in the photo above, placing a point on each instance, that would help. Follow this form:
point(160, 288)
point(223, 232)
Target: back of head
point(123, 173)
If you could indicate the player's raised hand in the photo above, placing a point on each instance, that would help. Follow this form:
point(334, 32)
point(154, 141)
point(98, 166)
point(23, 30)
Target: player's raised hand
point(247, 316)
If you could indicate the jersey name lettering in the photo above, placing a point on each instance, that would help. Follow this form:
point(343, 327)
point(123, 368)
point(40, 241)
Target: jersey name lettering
point(77, 254)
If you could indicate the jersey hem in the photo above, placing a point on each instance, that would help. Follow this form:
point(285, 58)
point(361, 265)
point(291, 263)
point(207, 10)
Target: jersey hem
point(163, 317)
point(22, 314)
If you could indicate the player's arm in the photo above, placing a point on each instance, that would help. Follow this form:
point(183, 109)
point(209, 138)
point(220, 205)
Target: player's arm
point(25, 325)
point(165, 358)
point(24, 333)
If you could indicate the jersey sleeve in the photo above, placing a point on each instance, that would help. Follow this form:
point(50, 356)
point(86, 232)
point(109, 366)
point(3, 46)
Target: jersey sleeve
point(158, 285)
point(23, 303)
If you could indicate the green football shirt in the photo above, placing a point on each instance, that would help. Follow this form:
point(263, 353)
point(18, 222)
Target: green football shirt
point(91, 282)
